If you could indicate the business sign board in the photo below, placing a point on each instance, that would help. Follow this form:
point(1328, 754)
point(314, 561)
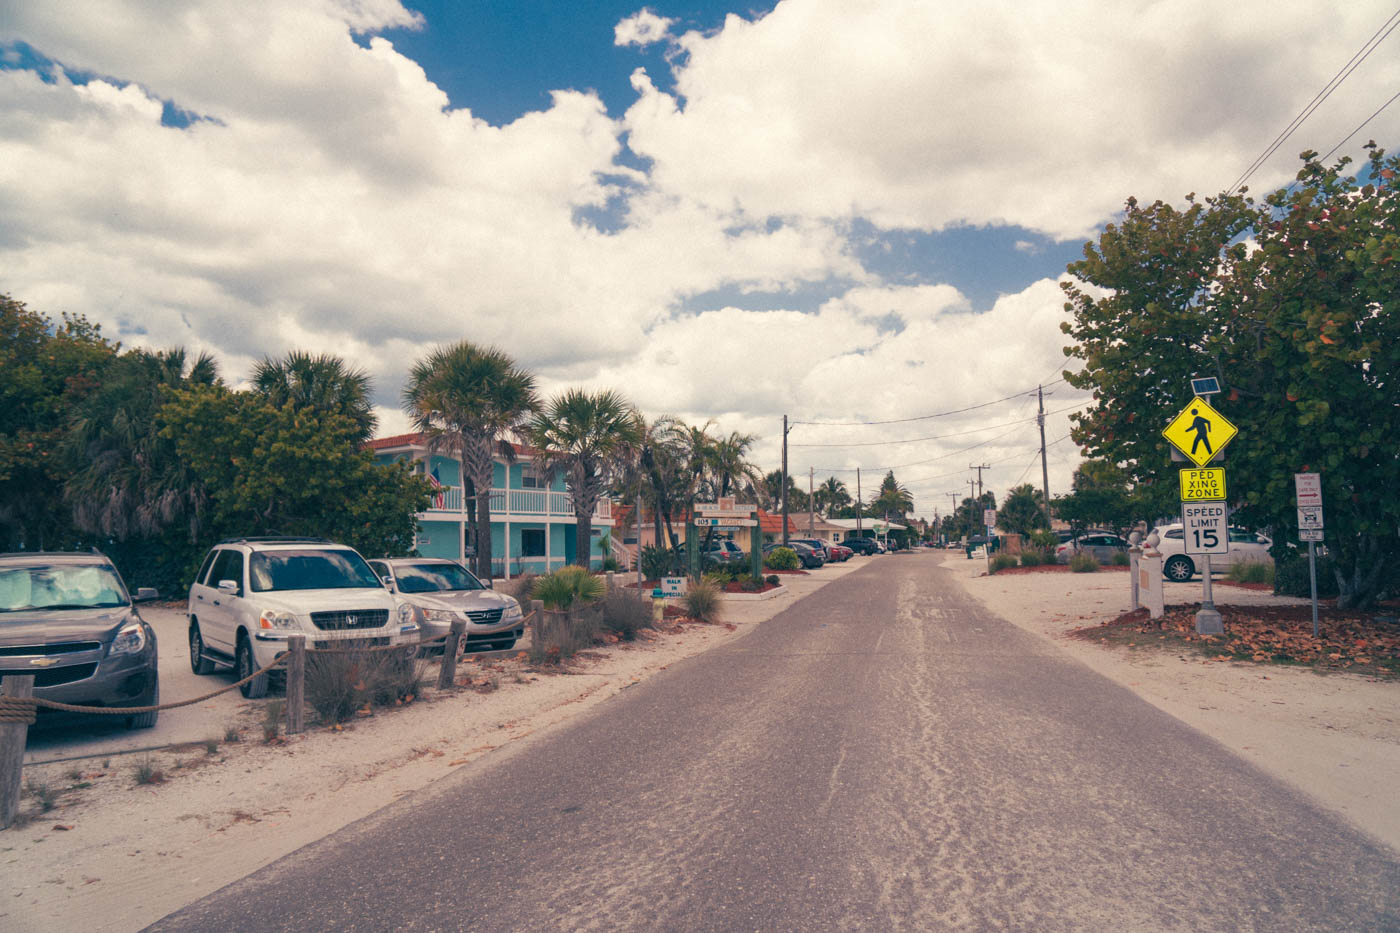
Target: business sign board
point(1203, 484)
point(725, 504)
point(707, 521)
point(1200, 432)
point(1204, 527)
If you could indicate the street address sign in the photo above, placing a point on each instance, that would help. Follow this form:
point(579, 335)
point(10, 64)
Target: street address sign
point(708, 521)
point(1204, 526)
point(1200, 432)
point(1204, 484)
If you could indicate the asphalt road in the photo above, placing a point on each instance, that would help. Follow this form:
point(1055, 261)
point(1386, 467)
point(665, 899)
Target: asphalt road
point(884, 755)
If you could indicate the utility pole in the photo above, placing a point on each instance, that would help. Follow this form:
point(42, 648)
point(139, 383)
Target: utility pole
point(979, 469)
point(858, 534)
point(785, 482)
point(1044, 470)
point(811, 504)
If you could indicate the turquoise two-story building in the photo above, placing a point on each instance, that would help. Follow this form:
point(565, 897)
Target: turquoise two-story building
point(532, 520)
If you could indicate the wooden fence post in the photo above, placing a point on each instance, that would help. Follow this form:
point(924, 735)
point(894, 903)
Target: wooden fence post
point(447, 675)
point(537, 625)
point(12, 739)
point(296, 684)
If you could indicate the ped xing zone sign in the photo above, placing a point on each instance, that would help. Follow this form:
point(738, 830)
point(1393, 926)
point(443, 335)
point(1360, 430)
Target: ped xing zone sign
point(1203, 525)
point(1203, 485)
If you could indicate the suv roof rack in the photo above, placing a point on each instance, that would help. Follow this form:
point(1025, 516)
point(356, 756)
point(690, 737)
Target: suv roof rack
point(275, 539)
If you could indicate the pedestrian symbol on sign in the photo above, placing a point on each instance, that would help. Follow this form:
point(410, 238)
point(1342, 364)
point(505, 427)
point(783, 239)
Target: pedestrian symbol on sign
point(1200, 432)
point(1201, 425)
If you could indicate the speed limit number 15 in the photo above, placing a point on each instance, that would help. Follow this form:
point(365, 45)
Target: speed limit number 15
point(1203, 525)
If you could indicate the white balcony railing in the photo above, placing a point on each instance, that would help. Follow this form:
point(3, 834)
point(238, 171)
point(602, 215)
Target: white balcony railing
point(508, 503)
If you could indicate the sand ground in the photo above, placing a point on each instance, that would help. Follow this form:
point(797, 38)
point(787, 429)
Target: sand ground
point(115, 855)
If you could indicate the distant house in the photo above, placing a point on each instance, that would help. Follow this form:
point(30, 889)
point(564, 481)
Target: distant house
point(876, 528)
point(532, 521)
point(625, 530)
point(812, 525)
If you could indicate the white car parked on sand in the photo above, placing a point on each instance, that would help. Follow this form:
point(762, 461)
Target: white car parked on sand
point(1177, 565)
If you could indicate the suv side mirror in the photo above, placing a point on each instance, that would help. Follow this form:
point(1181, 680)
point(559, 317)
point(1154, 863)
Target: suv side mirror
point(228, 586)
point(388, 581)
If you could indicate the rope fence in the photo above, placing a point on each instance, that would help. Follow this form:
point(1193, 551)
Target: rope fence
point(19, 707)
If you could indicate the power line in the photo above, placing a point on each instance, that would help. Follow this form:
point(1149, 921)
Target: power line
point(900, 466)
point(941, 414)
point(1360, 126)
point(939, 437)
point(1361, 55)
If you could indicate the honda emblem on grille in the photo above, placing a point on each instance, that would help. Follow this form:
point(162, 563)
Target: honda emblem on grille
point(349, 620)
point(44, 662)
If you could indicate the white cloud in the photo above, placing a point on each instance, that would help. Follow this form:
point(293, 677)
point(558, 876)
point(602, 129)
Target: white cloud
point(642, 28)
point(1046, 115)
point(338, 201)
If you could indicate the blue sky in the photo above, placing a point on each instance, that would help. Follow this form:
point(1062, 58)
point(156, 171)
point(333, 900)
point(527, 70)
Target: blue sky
point(841, 212)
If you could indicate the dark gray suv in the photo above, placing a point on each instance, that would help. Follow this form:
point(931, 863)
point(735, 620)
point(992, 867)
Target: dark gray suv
point(68, 619)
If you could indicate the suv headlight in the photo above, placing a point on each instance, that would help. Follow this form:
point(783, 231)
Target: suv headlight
point(130, 640)
point(408, 614)
point(513, 611)
point(272, 618)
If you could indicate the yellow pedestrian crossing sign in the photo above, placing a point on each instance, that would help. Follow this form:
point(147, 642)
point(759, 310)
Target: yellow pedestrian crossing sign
point(1200, 432)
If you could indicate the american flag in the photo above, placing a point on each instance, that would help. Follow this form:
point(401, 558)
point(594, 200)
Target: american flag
point(437, 485)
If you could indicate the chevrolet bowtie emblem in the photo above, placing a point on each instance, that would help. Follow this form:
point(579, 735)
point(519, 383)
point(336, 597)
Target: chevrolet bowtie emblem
point(44, 662)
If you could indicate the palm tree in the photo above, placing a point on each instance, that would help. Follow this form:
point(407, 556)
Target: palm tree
point(465, 400)
point(588, 438)
point(832, 494)
point(893, 499)
point(730, 468)
point(662, 460)
point(324, 383)
point(127, 480)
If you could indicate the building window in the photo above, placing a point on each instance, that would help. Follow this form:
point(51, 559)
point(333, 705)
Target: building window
point(529, 479)
point(531, 543)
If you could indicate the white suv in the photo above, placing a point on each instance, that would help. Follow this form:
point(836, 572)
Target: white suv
point(251, 593)
point(1245, 546)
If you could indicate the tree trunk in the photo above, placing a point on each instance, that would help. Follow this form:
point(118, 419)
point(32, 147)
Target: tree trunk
point(1359, 588)
point(477, 462)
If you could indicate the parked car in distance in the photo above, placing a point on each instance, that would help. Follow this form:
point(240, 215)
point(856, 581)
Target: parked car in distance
point(444, 591)
point(816, 544)
point(810, 558)
point(839, 552)
point(67, 619)
point(1177, 565)
point(252, 593)
point(863, 545)
point(723, 551)
point(1101, 546)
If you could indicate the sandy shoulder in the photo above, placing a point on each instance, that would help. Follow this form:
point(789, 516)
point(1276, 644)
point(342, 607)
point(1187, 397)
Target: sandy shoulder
point(115, 856)
point(1336, 737)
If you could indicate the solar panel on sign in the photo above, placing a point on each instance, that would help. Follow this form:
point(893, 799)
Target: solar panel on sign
point(1205, 385)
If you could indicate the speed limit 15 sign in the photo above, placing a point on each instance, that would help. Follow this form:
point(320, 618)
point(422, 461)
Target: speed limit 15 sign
point(1204, 526)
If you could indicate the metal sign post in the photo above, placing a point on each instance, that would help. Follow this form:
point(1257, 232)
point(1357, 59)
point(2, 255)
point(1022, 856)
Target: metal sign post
point(1308, 488)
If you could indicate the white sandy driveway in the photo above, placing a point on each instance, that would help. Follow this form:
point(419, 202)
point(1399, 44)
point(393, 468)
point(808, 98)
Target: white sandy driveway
point(1335, 736)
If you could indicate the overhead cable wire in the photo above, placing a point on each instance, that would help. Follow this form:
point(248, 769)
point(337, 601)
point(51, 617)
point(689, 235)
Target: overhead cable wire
point(1361, 55)
point(941, 414)
point(939, 437)
point(1361, 126)
point(900, 466)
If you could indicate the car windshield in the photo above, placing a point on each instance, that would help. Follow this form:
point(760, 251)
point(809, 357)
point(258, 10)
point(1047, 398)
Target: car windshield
point(310, 570)
point(435, 578)
point(60, 586)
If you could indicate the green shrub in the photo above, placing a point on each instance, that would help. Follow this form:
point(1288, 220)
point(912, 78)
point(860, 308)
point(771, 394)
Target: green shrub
point(1044, 541)
point(1032, 557)
point(701, 601)
point(1003, 562)
point(567, 586)
point(1291, 579)
point(657, 562)
point(772, 580)
point(1083, 563)
point(625, 612)
point(782, 558)
point(1250, 571)
point(1121, 559)
point(610, 565)
point(558, 635)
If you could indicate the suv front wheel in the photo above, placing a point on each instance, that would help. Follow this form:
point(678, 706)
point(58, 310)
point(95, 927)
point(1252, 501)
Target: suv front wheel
point(1178, 568)
point(256, 688)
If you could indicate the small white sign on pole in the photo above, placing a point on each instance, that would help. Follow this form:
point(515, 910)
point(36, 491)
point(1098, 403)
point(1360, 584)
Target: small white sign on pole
point(1309, 489)
point(989, 517)
point(673, 586)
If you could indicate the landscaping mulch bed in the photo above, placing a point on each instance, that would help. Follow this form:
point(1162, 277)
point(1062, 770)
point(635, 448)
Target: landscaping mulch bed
point(737, 587)
point(1348, 640)
point(1056, 568)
